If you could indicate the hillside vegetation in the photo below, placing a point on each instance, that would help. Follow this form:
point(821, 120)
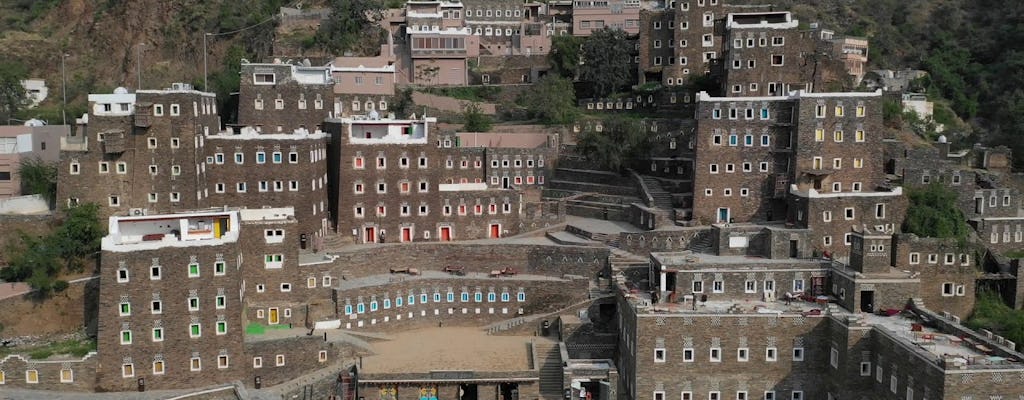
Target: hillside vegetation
point(973, 49)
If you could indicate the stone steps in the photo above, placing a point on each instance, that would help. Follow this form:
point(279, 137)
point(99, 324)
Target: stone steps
point(550, 370)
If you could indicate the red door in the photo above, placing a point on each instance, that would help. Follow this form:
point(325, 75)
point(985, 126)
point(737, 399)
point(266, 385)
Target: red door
point(446, 234)
point(406, 234)
point(495, 231)
point(370, 235)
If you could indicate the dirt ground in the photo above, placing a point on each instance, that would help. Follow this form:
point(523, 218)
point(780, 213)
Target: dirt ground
point(434, 349)
point(63, 313)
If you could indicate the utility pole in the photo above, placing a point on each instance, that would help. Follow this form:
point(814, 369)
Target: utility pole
point(206, 85)
point(64, 88)
point(139, 65)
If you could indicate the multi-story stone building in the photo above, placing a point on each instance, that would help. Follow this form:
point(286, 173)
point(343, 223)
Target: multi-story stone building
point(170, 301)
point(138, 153)
point(731, 325)
point(251, 169)
point(400, 181)
point(281, 97)
point(176, 293)
point(682, 40)
point(796, 158)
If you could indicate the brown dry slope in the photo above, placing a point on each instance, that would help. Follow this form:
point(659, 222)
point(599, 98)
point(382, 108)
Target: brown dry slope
point(65, 312)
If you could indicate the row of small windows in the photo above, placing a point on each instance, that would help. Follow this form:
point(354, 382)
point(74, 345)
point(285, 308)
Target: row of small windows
point(124, 308)
point(771, 354)
point(67, 375)
point(449, 297)
point(947, 258)
point(405, 210)
point(740, 395)
point(276, 157)
point(749, 286)
point(156, 271)
point(318, 104)
point(489, 13)
point(195, 331)
point(749, 113)
point(748, 140)
point(284, 288)
point(745, 167)
point(359, 162)
point(276, 186)
point(761, 42)
point(838, 135)
point(1018, 236)
point(195, 364)
point(820, 110)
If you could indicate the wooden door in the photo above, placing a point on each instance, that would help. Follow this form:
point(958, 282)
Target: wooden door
point(272, 317)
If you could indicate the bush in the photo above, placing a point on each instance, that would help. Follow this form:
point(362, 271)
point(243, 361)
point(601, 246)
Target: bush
point(474, 120)
point(60, 285)
point(991, 313)
point(933, 212)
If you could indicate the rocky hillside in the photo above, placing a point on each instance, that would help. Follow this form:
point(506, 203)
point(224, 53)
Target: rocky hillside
point(104, 39)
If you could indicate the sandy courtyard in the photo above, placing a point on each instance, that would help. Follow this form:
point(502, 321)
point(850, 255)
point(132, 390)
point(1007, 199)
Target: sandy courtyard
point(438, 349)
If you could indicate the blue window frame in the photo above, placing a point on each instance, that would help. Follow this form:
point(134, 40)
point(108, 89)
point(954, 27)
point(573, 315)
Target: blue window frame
point(261, 157)
point(465, 297)
point(734, 140)
point(491, 297)
point(451, 297)
point(412, 299)
point(360, 308)
point(764, 113)
point(748, 140)
point(348, 309)
point(521, 296)
point(398, 301)
point(387, 304)
point(504, 296)
point(277, 157)
point(478, 297)
point(373, 306)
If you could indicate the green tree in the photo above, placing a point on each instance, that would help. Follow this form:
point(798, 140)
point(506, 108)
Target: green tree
point(13, 96)
point(606, 61)
point(39, 261)
point(619, 142)
point(474, 120)
point(350, 22)
point(39, 177)
point(933, 212)
point(565, 55)
point(79, 235)
point(551, 100)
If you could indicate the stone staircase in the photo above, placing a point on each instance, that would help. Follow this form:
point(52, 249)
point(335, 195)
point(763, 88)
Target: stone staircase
point(662, 198)
point(550, 369)
point(703, 243)
point(334, 241)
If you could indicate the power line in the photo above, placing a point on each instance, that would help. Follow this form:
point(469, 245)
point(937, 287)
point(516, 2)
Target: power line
point(272, 17)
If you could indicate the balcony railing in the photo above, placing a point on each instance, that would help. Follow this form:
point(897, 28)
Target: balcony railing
point(438, 52)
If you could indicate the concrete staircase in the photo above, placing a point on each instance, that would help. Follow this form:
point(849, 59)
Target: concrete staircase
point(550, 369)
point(506, 325)
point(333, 241)
point(662, 198)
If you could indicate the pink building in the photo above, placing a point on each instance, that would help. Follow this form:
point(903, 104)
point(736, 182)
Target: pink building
point(365, 75)
point(593, 15)
point(853, 51)
point(20, 142)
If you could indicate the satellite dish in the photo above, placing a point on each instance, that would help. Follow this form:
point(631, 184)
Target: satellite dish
point(120, 90)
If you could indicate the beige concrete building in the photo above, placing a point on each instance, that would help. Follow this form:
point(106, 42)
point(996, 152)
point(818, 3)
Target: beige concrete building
point(20, 142)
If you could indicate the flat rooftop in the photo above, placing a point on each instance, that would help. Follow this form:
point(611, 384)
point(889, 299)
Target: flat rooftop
point(953, 349)
point(440, 349)
point(689, 258)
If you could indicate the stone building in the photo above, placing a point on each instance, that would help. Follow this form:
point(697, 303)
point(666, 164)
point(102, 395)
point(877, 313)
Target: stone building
point(139, 153)
point(170, 298)
point(794, 157)
point(766, 54)
point(251, 169)
point(281, 97)
point(400, 181)
point(178, 293)
point(745, 322)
